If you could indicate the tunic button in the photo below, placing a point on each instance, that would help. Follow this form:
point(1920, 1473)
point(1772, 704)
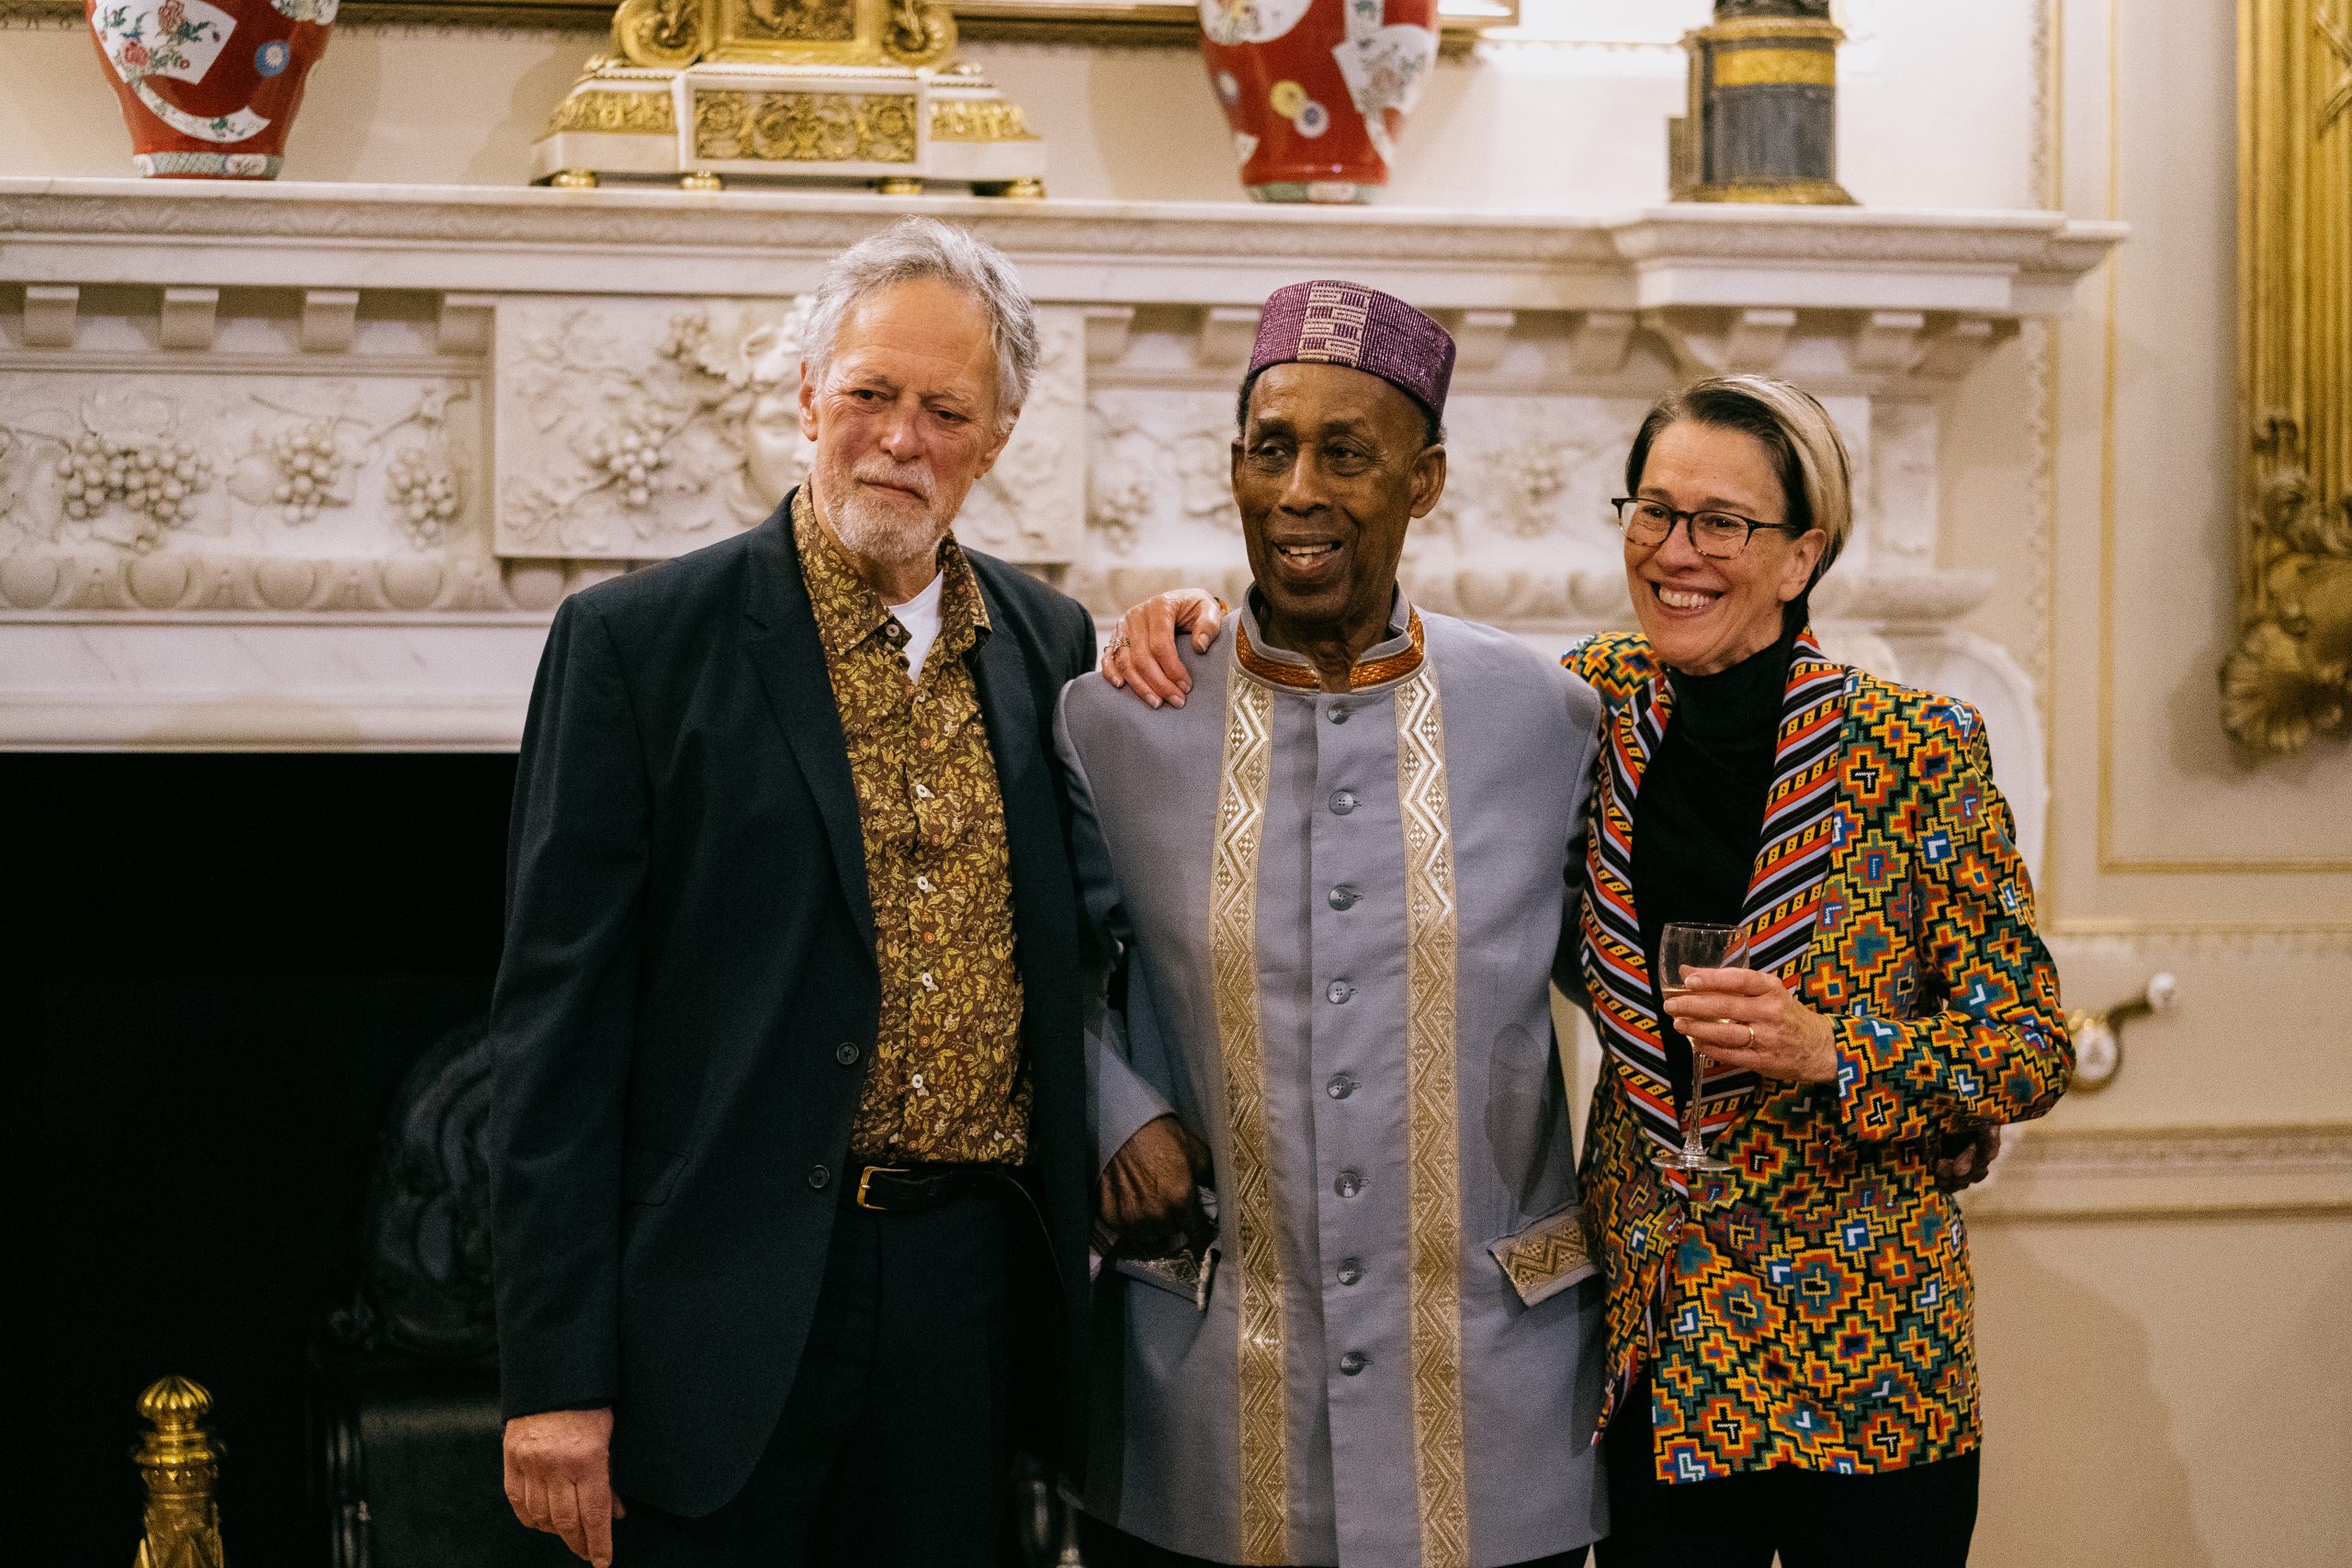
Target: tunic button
point(1339, 712)
point(1344, 895)
point(1354, 1362)
point(1338, 991)
point(1343, 802)
point(1351, 1270)
point(845, 1052)
point(1340, 1087)
point(818, 1175)
point(1349, 1184)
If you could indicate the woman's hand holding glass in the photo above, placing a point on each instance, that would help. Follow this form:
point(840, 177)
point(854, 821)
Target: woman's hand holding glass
point(1746, 1017)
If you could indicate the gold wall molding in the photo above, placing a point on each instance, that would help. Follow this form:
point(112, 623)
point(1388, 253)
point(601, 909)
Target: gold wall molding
point(2058, 1173)
point(2202, 939)
point(2288, 680)
point(2110, 861)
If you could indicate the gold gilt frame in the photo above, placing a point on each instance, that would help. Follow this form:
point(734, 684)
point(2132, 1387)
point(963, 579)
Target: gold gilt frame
point(1042, 21)
point(2288, 680)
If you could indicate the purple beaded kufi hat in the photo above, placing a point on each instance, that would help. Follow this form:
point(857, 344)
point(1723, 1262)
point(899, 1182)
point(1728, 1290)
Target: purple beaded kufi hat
point(1328, 323)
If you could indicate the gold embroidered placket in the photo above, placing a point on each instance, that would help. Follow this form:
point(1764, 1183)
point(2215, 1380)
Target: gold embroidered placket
point(1433, 1171)
point(1233, 968)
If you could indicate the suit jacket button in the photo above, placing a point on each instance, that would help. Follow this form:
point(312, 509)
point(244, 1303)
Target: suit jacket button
point(845, 1053)
point(818, 1175)
point(1354, 1362)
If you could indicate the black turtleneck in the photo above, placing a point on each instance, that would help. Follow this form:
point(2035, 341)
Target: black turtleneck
point(1700, 811)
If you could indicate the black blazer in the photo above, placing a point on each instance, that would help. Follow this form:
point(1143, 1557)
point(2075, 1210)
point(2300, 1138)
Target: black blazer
point(688, 997)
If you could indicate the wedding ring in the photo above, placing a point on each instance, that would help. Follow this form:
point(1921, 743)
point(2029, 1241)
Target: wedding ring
point(1751, 1037)
point(1118, 646)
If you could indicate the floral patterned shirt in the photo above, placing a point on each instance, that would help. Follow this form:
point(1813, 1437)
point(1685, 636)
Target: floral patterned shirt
point(948, 1081)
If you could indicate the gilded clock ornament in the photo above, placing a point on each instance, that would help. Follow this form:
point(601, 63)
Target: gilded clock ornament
point(706, 93)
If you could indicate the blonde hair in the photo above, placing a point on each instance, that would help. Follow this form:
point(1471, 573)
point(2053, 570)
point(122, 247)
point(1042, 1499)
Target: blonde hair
point(1816, 477)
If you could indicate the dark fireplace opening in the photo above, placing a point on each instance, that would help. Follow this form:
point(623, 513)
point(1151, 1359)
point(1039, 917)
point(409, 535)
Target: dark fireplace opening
point(220, 967)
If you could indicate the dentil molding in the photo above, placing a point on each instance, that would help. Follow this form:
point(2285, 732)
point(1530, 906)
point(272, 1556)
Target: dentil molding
point(308, 466)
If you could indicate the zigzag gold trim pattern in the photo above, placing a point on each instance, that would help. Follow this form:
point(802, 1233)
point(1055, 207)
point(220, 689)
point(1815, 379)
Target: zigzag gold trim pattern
point(1434, 1126)
point(1233, 970)
point(1548, 1256)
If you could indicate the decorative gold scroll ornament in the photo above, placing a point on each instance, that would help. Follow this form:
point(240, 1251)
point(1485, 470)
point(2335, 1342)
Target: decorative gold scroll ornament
point(2288, 680)
point(836, 128)
point(179, 1464)
point(670, 35)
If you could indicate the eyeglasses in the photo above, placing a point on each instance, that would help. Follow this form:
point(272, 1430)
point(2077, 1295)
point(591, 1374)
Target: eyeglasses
point(1718, 535)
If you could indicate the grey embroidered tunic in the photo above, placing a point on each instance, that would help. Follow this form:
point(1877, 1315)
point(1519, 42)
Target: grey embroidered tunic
point(1340, 912)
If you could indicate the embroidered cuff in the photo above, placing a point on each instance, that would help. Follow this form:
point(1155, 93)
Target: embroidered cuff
point(1548, 1256)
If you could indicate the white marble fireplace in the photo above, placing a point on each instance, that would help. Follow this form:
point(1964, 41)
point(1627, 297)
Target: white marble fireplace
point(308, 466)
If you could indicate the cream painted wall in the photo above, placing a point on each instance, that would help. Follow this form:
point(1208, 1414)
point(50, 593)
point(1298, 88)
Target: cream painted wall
point(2165, 1394)
point(1567, 115)
point(2158, 1390)
point(2161, 1391)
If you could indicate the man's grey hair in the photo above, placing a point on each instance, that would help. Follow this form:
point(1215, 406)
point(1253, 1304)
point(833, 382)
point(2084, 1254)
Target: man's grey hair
point(913, 249)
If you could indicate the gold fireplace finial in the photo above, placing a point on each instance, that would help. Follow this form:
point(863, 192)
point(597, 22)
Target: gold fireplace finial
point(179, 1464)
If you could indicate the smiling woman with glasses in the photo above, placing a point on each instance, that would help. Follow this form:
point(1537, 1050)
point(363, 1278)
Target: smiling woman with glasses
point(1790, 1338)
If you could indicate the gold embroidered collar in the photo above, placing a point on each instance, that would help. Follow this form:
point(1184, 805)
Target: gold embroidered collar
point(1293, 673)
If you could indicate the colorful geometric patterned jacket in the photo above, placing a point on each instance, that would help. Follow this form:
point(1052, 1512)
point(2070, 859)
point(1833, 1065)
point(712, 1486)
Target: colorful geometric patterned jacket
point(1811, 1308)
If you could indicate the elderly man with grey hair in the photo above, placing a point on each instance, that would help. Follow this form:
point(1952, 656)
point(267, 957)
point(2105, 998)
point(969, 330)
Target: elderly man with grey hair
point(789, 1138)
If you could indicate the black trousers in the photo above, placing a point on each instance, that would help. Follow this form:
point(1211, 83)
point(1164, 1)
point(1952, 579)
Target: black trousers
point(895, 1446)
point(1919, 1517)
point(1105, 1547)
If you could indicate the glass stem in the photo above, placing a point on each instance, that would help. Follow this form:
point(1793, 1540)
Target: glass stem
point(1693, 1109)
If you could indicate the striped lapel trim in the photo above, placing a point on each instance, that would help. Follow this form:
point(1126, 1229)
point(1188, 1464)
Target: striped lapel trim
point(1783, 893)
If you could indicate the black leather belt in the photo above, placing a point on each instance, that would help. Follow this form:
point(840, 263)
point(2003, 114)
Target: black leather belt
point(912, 1189)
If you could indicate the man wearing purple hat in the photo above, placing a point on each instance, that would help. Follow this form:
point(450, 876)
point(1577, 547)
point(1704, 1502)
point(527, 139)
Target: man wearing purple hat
point(1356, 1322)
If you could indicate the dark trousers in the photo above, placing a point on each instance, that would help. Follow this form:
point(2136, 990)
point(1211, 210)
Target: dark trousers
point(1919, 1517)
point(1106, 1548)
point(895, 1446)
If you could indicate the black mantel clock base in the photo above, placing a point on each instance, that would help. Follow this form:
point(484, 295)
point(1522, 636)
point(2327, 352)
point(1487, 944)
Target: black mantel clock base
point(1763, 120)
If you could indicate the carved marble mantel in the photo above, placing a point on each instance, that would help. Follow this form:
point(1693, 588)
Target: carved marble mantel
point(308, 466)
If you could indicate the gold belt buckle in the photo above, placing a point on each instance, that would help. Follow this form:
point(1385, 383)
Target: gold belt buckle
point(866, 1179)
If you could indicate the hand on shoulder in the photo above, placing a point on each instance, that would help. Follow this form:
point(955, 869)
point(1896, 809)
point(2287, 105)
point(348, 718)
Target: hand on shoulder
point(1141, 657)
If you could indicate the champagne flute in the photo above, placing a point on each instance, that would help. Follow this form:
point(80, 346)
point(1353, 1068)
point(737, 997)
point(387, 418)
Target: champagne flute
point(1682, 947)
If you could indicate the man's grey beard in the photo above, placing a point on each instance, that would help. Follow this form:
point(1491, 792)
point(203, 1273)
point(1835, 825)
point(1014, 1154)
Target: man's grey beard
point(883, 534)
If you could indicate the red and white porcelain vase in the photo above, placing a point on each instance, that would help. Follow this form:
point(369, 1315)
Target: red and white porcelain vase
point(1317, 91)
point(210, 87)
